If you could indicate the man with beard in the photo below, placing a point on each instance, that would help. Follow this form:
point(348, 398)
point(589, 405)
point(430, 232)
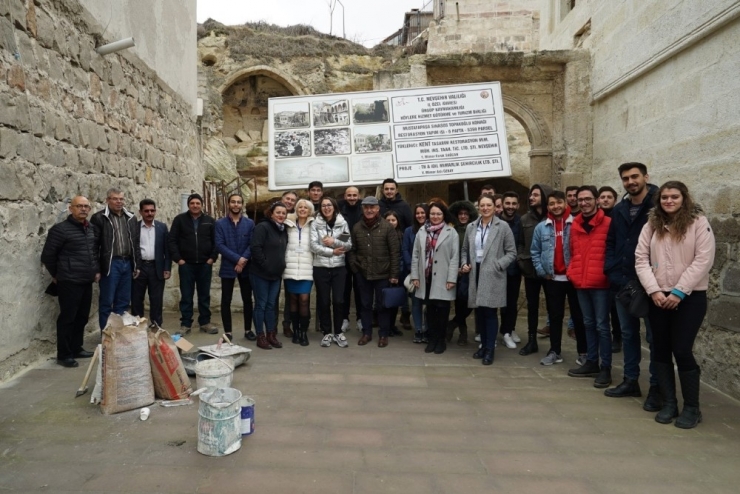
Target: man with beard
point(607, 201)
point(628, 218)
point(156, 265)
point(351, 209)
point(315, 193)
point(513, 273)
point(533, 284)
point(571, 195)
point(393, 201)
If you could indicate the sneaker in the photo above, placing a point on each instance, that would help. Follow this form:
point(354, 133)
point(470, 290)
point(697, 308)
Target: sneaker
point(417, 337)
point(551, 358)
point(359, 326)
point(509, 341)
point(477, 338)
point(209, 328)
point(327, 340)
point(184, 330)
point(345, 325)
point(515, 337)
point(340, 340)
point(581, 360)
point(425, 337)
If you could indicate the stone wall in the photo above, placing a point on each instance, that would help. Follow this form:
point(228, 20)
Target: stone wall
point(73, 122)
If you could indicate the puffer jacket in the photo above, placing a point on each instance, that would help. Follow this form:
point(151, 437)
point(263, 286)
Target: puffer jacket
point(529, 222)
point(376, 253)
point(664, 264)
point(588, 252)
point(298, 255)
point(71, 252)
point(543, 246)
point(104, 225)
point(323, 256)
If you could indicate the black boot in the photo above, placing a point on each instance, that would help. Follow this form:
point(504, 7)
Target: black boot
point(432, 338)
point(667, 382)
point(295, 321)
point(690, 415)
point(531, 346)
point(604, 379)
point(627, 388)
point(462, 340)
point(653, 402)
point(304, 322)
point(450, 330)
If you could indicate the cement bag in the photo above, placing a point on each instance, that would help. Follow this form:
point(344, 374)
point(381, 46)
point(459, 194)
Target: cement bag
point(171, 382)
point(127, 374)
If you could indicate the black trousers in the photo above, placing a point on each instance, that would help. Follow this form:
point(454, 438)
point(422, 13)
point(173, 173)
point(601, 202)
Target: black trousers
point(74, 311)
point(674, 331)
point(508, 313)
point(532, 288)
point(227, 292)
point(329, 283)
point(350, 286)
point(147, 280)
point(557, 292)
point(370, 293)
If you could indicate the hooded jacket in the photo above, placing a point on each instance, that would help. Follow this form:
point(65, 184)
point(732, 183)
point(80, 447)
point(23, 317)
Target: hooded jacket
point(544, 244)
point(397, 204)
point(529, 221)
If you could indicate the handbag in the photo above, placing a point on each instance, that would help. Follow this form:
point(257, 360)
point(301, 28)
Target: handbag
point(410, 288)
point(393, 296)
point(633, 297)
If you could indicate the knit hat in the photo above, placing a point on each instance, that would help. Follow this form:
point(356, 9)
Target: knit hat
point(194, 196)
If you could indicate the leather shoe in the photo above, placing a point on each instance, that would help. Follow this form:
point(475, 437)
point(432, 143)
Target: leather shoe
point(67, 362)
point(480, 353)
point(382, 342)
point(250, 335)
point(83, 354)
point(488, 357)
point(365, 339)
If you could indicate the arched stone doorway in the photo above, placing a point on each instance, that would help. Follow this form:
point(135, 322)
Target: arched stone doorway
point(540, 139)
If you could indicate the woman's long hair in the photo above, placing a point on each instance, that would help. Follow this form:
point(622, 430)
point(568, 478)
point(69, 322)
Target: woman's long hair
point(415, 224)
point(677, 225)
point(390, 212)
point(334, 212)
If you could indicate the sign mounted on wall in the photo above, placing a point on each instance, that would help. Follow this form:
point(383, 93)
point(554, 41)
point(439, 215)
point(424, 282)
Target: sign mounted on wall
point(413, 135)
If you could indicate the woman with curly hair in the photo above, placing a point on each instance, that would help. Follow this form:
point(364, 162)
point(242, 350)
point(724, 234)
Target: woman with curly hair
point(674, 255)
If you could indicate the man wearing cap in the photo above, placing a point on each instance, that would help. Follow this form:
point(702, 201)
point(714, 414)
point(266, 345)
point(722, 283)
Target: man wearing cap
point(192, 244)
point(375, 259)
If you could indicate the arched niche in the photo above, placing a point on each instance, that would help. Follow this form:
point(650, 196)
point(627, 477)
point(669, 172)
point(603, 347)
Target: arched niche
point(540, 156)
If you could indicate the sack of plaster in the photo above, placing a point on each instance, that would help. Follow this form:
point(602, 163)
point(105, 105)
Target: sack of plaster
point(97, 393)
point(171, 382)
point(127, 373)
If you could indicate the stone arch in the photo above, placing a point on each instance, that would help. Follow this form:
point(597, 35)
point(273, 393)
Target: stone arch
point(540, 138)
point(285, 79)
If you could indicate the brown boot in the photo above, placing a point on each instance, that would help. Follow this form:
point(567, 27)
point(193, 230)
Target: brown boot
point(286, 329)
point(262, 342)
point(272, 338)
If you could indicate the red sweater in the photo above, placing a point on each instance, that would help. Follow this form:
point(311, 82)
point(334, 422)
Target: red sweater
point(588, 252)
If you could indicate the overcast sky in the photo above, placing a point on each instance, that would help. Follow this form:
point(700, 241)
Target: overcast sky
point(365, 21)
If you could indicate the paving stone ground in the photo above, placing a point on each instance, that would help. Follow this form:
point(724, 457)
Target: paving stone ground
point(371, 420)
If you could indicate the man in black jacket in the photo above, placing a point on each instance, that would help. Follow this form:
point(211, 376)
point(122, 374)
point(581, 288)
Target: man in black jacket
point(351, 211)
point(70, 255)
point(393, 201)
point(120, 257)
point(192, 244)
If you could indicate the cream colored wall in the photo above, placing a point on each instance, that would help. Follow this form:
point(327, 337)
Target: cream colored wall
point(165, 35)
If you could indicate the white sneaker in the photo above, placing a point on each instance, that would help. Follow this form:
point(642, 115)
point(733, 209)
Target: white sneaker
point(515, 337)
point(341, 340)
point(359, 326)
point(509, 341)
point(477, 338)
point(327, 339)
point(345, 325)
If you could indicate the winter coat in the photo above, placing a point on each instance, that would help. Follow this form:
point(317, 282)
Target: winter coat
point(70, 252)
point(543, 246)
point(663, 264)
point(376, 252)
point(104, 226)
point(233, 242)
point(499, 251)
point(401, 207)
point(407, 249)
point(529, 222)
point(444, 266)
point(268, 250)
point(351, 214)
point(516, 228)
point(621, 242)
point(323, 256)
point(298, 255)
point(588, 251)
point(194, 247)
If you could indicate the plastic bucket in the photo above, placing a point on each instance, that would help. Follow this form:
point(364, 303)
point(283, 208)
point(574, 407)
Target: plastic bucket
point(219, 424)
point(213, 373)
point(247, 415)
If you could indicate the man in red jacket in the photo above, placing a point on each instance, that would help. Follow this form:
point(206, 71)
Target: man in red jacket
point(586, 272)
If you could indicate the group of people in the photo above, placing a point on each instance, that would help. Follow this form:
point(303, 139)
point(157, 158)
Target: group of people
point(582, 245)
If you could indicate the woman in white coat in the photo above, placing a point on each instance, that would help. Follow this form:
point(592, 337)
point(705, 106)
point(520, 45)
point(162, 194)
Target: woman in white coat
point(329, 241)
point(298, 274)
point(434, 265)
point(488, 249)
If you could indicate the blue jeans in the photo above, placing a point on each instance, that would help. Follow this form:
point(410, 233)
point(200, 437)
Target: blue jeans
point(192, 277)
point(265, 293)
point(115, 290)
point(631, 343)
point(486, 323)
point(417, 313)
point(595, 305)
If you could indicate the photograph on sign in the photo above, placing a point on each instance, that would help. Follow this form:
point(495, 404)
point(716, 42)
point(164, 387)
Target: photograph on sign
point(371, 168)
point(373, 139)
point(330, 113)
point(293, 143)
point(369, 110)
point(331, 141)
point(291, 116)
point(292, 172)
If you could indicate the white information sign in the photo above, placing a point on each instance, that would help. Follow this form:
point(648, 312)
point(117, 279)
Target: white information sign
point(412, 135)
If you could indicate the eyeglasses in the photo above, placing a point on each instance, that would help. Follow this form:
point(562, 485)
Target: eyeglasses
point(326, 206)
point(81, 206)
point(586, 199)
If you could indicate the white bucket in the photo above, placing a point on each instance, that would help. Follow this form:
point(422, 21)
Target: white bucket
point(214, 373)
point(219, 424)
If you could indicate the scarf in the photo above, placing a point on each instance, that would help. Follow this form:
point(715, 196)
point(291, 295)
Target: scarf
point(280, 226)
point(371, 222)
point(432, 237)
